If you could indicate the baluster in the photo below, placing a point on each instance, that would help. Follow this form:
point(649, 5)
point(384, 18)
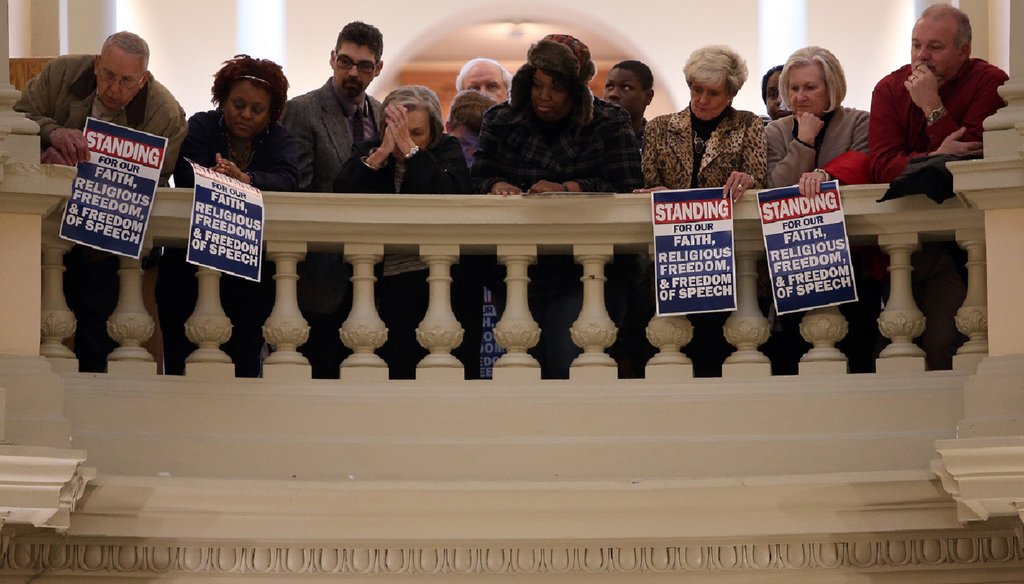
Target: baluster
point(593, 331)
point(517, 332)
point(209, 328)
point(972, 318)
point(900, 321)
point(363, 331)
point(57, 321)
point(286, 329)
point(130, 325)
point(439, 332)
point(823, 328)
point(669, 334)
point(746, 328)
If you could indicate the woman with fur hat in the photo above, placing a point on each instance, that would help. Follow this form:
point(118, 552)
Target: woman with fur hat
point(554, 135)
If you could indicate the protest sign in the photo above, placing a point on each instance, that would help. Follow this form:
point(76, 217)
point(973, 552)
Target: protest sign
point(694, 269)
point(226, 232)
point(112, 194)
point(807, 248)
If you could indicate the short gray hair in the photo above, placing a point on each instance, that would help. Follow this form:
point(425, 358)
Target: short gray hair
point(130, 43)
point(505, 75)
point(831, 73)
point(716, 64)
point(420, 98)
point(963, 22)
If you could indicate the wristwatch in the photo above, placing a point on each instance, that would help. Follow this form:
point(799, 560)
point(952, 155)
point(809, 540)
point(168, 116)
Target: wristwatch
point(412, 151)
point(936, 114)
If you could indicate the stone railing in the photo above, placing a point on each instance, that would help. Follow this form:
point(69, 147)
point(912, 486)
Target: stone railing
point(517, 230)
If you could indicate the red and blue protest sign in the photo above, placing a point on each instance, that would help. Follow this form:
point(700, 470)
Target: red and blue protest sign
point(694, 267)
point(112, 194)
point(226, 232)
point(807, 247)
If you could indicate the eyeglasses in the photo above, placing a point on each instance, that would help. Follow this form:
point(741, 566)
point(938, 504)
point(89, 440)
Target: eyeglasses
point(124, 81)
point(344, 63)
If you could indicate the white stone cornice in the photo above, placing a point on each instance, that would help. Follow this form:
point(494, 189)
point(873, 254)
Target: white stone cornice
point(984, 475)
point(41, 486)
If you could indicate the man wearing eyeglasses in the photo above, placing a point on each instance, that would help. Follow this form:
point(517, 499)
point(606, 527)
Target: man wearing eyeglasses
point(328, 120)
point(114, 86)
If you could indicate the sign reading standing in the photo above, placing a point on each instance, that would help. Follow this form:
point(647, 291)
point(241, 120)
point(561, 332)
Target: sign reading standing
point(694, 269)
point(226, 233)
point(112, 194)
point(808, 251)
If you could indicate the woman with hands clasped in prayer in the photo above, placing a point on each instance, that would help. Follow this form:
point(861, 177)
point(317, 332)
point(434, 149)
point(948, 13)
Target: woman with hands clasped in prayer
point(802, 145)
point(708, 144)
point(413, 155)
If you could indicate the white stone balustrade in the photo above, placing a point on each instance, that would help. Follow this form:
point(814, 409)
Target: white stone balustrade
point(447, 228)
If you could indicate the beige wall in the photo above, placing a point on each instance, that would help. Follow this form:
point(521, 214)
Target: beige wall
point(662, 34)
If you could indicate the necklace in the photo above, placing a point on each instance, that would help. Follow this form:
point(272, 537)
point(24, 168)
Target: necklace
point(698, 144)
point(247, 151)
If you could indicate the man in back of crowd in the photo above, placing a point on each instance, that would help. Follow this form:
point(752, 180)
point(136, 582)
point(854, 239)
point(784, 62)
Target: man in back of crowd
point(487, 76)
point(631, 85)
point(770, 94)
point(114, 86)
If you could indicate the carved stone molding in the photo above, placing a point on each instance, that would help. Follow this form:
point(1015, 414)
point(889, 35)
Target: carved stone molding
point(952, 551)
point(984, 475)
point(40, 486)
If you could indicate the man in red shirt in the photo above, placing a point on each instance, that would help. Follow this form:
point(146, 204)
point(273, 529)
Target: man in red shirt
point(934, 105)
point(937, 103)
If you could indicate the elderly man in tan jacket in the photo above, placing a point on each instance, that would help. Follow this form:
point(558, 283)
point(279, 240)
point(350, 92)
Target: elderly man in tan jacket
point(114, 86)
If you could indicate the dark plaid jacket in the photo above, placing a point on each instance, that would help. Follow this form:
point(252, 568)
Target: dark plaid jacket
point(603, 156)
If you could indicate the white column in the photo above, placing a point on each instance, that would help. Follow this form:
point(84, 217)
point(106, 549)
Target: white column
point(593, 331)
point(517, 332)
point(972, 318)
point(363, 331)
point(209, 328)
point(439, 332)
point(130, 325)
point(746, 328)
point(19, 136)
point(901, 321)
point(58, 322)
point(286, 329)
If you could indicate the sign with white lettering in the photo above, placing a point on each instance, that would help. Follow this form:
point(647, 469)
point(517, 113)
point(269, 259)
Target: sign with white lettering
point(694, 269)
point(808, 251)
point(226, 232)
point(112, 194)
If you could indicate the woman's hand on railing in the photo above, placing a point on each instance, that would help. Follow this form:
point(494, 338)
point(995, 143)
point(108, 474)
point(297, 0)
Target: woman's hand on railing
point(505, 188)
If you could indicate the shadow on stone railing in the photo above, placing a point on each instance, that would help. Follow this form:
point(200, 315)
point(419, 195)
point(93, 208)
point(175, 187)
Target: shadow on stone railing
point(518, 231)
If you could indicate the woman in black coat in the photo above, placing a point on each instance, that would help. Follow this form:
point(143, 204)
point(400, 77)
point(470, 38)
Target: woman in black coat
point(413, 156)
